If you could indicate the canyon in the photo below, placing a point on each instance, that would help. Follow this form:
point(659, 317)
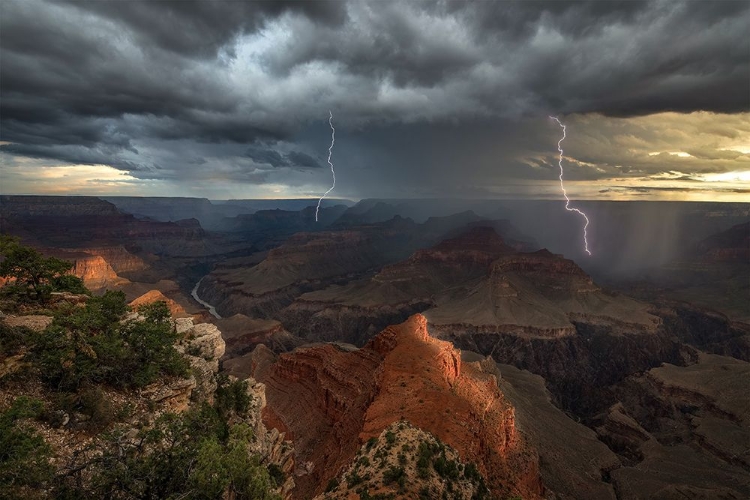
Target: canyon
point(386, 326)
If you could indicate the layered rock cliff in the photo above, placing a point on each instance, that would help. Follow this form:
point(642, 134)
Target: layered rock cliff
point(87, 222)
point(314, 261)
point(332, 399)
point(535, 310)
point(473, 283)
point(681, 431)
point(242, 334)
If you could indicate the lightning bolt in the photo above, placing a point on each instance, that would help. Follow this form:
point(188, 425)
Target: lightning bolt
point(330, 152)
point(562, 186)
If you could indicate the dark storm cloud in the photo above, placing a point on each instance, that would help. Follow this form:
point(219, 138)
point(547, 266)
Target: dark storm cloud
point(80, 155)
point(271, 157)
point(201, 29)
point(267, 156)
point(127, 84)
point(302, 160)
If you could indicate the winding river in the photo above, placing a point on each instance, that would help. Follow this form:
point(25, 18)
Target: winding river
point(211, 309)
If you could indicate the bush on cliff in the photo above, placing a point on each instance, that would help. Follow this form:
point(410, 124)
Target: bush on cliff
point(24, 455)
point(95, 344)
point(193, 455)
point(32, 275)
point(85, 353)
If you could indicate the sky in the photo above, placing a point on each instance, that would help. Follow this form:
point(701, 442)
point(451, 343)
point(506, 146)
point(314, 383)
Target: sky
point(429, 99)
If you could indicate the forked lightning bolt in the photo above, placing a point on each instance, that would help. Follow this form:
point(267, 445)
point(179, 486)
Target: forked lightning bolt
point(333, 172)
point(562, 186)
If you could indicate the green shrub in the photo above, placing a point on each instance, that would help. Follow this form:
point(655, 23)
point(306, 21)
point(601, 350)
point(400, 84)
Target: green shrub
point(394, 474)
point(32, 275)
point(24, 455)
point(353, 479)
point(94, 403)
point(447, 469)
point(471, 472)
point(333, 483)
point(277, 475)
point(194, 455)
point(232, 397)
point(92, 344)
point(424, 458)
point(13, 339)
point(69, 283)
point(390, 438)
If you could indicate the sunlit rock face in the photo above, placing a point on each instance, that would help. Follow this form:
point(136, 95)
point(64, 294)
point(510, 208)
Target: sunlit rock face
point(152, 296)
point(332, 399)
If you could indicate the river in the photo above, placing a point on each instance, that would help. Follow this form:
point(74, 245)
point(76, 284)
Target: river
point(211, 309)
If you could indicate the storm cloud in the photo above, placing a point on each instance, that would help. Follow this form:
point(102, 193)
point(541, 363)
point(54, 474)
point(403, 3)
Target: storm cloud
point(421, 90)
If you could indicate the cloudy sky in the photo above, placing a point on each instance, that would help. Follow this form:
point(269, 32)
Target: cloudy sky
point(429, 99)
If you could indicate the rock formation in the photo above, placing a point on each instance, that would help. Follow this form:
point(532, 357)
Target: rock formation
point(732, 245)
point(404, 461)
point(156, 296)
point(241, 335)
point(331, 400)
point(476, 284)
point(682, 431)
point(313, 261)
point(88, 222)
point(573, 462)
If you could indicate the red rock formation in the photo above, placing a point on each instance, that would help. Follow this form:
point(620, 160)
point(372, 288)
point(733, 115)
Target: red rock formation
point(319, 395)
point(93, 269)
point(156, 296)
point(331, 401)
point(118, 258)
point(424, 382)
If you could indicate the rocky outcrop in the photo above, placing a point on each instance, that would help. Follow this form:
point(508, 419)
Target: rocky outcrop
point(269, 442)
point(573, 462)
point(681, 429)
point(405, 461)
point(119, 259)
point(86, 222)
point(732, 245)
point(202, 346)
point(93, 269)
point(36, 322)
point(331, 400)
point(472, 284)
point(242, 334)
point(459, 403)
point(152, 296)
point(313, 261)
